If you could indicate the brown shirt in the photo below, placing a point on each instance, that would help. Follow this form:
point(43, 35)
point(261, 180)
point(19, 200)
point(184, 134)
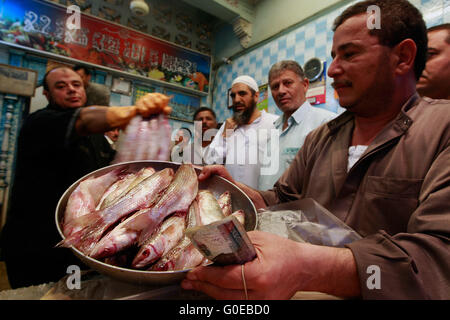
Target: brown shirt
point(397, 196)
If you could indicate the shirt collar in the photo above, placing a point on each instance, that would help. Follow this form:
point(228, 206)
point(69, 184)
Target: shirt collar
point(297, 116)
point(257, 120)
point(402, 119)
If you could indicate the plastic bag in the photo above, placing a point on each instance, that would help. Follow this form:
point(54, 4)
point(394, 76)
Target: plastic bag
point(306, 220)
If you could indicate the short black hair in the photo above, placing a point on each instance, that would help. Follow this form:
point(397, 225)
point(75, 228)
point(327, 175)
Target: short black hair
point(400, 20)
point(201, 109)
point(86, 70)
point(445, 26)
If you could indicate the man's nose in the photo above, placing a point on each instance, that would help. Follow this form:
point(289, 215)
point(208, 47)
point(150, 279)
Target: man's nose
point(282, 89)
point(71, 87)
point(334, 69)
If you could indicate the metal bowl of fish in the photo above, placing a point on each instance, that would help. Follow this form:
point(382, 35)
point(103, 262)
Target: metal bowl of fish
point(127, 220)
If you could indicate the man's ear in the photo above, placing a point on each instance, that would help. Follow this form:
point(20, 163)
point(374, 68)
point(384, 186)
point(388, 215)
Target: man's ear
point(256, 96)
point(46, 94)
point(405, 53)
point(306, 84)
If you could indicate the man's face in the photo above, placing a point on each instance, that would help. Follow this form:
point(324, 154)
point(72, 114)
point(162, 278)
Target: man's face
point(207, 119)
point(113, 134)
point(288, 91)
point(244, 103)
point(362, 68)
point(66, 89)
point(435, 79)
point(86, 78)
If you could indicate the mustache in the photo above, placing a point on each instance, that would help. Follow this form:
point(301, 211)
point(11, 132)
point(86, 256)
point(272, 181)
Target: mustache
point(238, 105)
point(341, 83)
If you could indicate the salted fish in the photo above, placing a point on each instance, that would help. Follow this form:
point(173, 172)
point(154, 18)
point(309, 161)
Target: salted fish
point(144, 195)
point(85, 198)
point(168, 235)
point(142, 224)
point(225, 203)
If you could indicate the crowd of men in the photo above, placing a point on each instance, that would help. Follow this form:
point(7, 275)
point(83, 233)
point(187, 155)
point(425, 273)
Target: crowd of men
point(381, 167)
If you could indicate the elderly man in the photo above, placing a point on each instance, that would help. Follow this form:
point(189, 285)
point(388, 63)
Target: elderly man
point(435, 79)
point(394, 193)
point(288, 85)
point(242, 140)
point(55, 149)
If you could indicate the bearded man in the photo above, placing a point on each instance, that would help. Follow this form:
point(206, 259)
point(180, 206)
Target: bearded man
point(241, 142)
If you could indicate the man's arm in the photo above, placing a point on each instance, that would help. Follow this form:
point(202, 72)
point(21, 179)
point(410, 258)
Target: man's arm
point(220, 170)
point(99, 119)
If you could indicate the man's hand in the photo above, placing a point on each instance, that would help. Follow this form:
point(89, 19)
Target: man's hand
point(221, 171)
point(273, 274)
point(230, 125)
point(150, 104)
point(153, 103)
point(215, 169)
point(282, 267)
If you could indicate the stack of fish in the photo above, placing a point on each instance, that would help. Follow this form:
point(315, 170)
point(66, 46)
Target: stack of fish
point(145, 139)
point(137, 219)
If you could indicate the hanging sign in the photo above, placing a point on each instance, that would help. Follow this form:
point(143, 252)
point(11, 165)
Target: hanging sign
point(65, 31)
point(17, 81)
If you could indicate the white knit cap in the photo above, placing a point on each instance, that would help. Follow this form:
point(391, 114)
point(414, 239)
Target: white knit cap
point(248, 81)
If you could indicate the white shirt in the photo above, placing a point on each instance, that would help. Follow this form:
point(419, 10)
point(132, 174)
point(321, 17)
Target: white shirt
point(305, 119)
point(111, 143)
point(354, 153)
point(243, 150)
point(191, 153)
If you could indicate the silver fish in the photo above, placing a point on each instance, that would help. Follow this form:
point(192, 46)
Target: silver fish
point(183, 256)
point(85, 198)
point(142, 224)
point(142, 196)
point(123, 186)
point(210, 210)
point(168, 235)
point(115, 241)
point(176, 198)
point(240, 216)
point(193, 219)
point(114, 190)
point(225, 203)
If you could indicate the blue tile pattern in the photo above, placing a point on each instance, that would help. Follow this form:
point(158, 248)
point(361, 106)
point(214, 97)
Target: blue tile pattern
point(313, 39)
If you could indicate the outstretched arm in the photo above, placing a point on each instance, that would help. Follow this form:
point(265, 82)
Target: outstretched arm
point(99, 119)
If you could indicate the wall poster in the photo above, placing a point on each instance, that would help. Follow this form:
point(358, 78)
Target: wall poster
point(183, 105)
point(42, 26)
point(19, 81)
